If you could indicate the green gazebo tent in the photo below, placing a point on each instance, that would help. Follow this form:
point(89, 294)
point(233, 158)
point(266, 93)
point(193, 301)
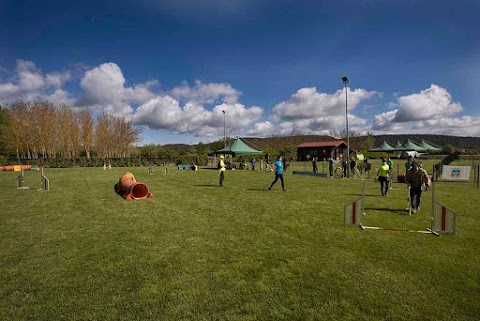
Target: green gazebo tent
point(412, 146)
point(400, 148)
point(237, 147)
point(430, 148)
point(384, 147)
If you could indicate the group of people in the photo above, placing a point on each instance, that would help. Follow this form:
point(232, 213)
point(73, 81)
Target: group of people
point(416, 177)
point(278, 166)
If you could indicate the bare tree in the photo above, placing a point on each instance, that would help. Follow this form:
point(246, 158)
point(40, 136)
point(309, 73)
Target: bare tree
point(86, 130)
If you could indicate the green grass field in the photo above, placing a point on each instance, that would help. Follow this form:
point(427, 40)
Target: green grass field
point(200, 252)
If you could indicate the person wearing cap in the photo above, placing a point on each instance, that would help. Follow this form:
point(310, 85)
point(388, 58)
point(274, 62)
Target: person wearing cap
point(221, 169)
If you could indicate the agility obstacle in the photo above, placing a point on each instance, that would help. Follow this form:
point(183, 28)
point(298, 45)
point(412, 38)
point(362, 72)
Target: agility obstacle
point(45, 183)
point(150, 171)
point(21, 181)
point(443, 219)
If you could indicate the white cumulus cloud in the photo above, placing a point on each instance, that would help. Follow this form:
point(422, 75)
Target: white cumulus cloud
point(434, 102)
point(29, 83)
point(262, 129)
point(166, 113)
point(312, 112)
point(104, 89)
point(430, 111)
point(206, 93)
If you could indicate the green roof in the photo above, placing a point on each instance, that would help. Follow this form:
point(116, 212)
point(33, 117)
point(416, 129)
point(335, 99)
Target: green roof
point(238, 146)
point(430, 148)
point(384, 147)
point(412, 146)
point(399, 147)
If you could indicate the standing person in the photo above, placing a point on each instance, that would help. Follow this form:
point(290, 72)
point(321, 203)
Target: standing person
point(254, 162)
point(417, 179)
point(344, 167)
point(221, 169)
point(390, 165)
point(353, 164)
point(366, 165)
point(383, 177)
point(408, 164)
point(331, 166)
point(315, 164)
point(278, 173)
point(285, 163)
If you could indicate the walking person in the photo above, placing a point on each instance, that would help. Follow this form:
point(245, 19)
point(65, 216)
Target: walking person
point(278, 173)
point(417, 179)
point(331, 166)
point(384, 177)
point(315, 164)
point(253, 162)
point(221, 169)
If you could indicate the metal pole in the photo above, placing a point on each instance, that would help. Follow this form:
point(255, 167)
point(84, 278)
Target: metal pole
point(348, 135)
point(224, 131)
point(433, 197)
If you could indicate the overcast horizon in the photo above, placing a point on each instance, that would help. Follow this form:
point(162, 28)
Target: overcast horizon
point(274, 67)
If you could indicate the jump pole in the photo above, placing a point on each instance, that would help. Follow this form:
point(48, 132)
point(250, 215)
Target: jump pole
point(45, 182)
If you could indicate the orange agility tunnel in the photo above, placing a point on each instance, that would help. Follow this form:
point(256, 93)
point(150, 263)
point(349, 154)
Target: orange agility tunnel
point(129, 188)
point(19, 168)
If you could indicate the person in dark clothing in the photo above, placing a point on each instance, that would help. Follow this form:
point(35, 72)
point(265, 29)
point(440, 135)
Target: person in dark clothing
point(331, 166)
point(417, 179)
point(344, 167)
point(315, 165)
point(353, 164)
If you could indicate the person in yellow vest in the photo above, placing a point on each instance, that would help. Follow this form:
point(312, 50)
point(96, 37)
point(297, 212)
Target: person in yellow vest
point(221, 169)
point(384, 177)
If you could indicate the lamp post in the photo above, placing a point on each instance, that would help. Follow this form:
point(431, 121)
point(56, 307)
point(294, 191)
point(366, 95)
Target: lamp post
point(345, 82)
point(224, 131)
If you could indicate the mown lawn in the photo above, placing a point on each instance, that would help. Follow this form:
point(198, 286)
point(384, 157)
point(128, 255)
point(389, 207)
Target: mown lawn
point(200, 252)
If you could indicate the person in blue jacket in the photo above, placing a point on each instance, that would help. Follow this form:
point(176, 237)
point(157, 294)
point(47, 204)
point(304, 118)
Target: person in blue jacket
point(278, 173)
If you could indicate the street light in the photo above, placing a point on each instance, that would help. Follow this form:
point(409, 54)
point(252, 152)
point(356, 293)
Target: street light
point(224, 131)
point(345, 82)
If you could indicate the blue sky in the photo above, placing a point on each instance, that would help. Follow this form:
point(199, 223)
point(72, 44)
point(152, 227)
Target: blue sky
point(274, 67)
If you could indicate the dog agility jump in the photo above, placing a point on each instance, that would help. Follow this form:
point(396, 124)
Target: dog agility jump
point(443, 219)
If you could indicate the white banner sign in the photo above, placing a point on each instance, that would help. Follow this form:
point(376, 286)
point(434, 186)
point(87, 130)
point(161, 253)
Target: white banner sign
point(455, 173)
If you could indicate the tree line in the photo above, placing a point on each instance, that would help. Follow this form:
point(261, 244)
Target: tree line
point(36, 129)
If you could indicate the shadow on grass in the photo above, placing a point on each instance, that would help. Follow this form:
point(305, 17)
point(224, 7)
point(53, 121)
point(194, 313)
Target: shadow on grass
point(258, 189)
point(391, 210)
point(208, 185)
point(373, 195)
